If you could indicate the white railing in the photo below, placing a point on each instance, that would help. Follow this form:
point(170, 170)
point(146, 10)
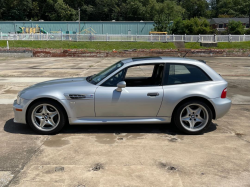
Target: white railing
point(131, 38)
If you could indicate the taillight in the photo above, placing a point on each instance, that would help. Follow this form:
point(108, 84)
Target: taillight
point(224, 93)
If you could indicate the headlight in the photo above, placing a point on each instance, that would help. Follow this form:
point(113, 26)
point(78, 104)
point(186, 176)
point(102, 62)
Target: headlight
point(18, 100)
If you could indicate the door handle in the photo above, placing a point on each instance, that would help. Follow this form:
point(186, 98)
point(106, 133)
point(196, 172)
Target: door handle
point(152, 94)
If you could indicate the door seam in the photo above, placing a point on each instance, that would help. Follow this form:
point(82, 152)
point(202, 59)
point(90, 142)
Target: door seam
point(161, 102)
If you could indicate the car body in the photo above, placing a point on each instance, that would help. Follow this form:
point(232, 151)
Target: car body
point(152, 96)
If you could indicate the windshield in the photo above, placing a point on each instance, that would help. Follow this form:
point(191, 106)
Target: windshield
point(103, 74)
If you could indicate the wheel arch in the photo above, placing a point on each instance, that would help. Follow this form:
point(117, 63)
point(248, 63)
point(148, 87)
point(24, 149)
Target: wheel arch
point(196, 98)
point(46, 99)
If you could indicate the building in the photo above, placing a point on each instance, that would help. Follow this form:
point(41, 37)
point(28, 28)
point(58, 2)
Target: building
point(86, 27)
point(221, 23)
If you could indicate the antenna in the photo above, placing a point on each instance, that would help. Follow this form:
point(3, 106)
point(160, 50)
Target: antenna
point(191, 47)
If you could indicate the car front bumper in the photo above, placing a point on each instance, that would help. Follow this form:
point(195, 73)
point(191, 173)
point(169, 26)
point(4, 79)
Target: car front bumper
point(221, 106)
point(20, 111)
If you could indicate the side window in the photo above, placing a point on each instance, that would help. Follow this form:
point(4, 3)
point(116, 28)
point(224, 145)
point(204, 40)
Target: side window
point(181, 74)
point(113, 81)
point(138, 76)
point(140, 71)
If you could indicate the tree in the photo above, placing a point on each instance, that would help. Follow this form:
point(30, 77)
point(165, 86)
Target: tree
point(235, 27)
point(234, 8)
point(63, 12)
point(178, 26)
point(135, 10)
point(195, 8)
point(160, 11)
point(1, 9)
point(214, 8)
point(166, 12)
point(16, 9)
point(150, 10)
point(193, 26)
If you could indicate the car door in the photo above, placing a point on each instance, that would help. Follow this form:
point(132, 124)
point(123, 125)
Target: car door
point(141, 97)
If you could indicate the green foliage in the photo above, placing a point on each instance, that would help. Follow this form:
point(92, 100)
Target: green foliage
point(235, 27)
point(233, 8)
point(178, 27)
point(247, 31)
point(192, 26)
point(197, 26)
point(195, 8)
point(15, 9)
point(91, 10)
point(165, 12)
point(63, 12)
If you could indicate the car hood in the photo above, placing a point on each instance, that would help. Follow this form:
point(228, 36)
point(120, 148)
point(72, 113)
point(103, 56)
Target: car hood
point(56, 85)
point(59, 82)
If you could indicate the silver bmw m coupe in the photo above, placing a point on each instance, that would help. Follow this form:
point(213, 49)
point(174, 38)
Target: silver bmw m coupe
point(137, 90)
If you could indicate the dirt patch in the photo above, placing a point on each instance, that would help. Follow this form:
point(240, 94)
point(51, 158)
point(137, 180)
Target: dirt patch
point(245, 109)
point(173, 139)
point(56, 141)
point(11, 91)
point(97, 167)
point(179, 45)
point(239, 134)
point(233, 86)
point(167, 166)
point(112, 138)
point(59, 169)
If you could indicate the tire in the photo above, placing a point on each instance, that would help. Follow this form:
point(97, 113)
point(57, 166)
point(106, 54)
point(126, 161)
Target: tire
point(193, 117)
point(46, 117)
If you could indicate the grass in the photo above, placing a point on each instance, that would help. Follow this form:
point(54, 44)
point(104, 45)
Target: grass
point(221, 45)
point(109, 46)
point(105, 46)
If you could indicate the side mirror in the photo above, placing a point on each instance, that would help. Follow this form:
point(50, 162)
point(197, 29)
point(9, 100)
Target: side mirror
point(120, 86)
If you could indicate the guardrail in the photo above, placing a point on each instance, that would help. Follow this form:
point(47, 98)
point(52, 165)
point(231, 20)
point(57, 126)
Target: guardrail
point(131, 38)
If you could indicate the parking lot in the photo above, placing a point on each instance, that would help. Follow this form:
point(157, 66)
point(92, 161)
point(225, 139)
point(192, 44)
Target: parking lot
point(122, 155)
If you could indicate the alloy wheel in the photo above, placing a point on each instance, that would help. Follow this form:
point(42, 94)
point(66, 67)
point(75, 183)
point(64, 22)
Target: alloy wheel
point(45, 117)
point(194, 117)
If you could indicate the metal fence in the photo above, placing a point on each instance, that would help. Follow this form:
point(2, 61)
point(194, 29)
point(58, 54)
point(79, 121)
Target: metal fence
point(131, 38)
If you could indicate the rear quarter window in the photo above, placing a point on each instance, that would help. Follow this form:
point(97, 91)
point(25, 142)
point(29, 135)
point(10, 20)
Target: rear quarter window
point(184, 73)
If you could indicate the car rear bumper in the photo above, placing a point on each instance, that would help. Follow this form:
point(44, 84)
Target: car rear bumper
point(19, 113)
point(221, 106)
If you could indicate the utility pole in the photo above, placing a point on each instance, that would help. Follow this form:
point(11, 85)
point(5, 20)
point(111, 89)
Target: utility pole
point(79, 19)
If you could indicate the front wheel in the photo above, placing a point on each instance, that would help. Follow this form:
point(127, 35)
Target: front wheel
point(46, 117)
point(193, 117)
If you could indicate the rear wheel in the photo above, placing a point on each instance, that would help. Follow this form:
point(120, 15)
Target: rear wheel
point(46, 117)
point(193, 117)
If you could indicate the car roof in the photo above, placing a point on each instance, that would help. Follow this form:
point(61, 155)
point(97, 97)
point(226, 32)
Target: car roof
point(164, 59)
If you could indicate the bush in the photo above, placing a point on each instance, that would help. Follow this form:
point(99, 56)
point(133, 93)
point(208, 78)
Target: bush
point(223, 33)
point(235, 27)
point(193, 26)
point(197, 26)
point(247, 31)
point(178, 27)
